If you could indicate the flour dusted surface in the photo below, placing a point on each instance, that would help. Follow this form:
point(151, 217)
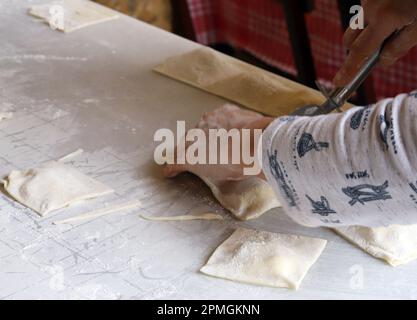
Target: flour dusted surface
point(76, 14)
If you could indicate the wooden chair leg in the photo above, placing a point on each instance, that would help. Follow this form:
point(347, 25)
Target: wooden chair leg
point(182, 21)
point(295, 18)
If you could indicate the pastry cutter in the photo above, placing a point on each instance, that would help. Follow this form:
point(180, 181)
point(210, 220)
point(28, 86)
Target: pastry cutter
point(338, 96)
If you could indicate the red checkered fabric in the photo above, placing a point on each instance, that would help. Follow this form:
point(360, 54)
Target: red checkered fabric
point(259, 27)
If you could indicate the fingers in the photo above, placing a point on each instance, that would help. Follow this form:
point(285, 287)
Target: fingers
point(261, 123)
point(400, 45)
point(172, 170)
point(368, 41)
point(350, 36)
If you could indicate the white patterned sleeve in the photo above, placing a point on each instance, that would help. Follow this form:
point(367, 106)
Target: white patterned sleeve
point(352, 168)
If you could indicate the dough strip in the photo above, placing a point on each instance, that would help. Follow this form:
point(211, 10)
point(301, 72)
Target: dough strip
point(101, 212)
point(203, 216)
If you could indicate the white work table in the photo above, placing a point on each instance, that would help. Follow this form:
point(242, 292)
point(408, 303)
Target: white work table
point(94, 89)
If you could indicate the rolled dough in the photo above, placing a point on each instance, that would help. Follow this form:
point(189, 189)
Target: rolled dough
point(247, 199)
point(52, 186)
point(77, 14)
point(396, 245)
point(203, 216)
point(239, 82)
point(264, 258)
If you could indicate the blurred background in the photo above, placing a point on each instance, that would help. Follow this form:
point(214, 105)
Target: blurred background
point(299, 39)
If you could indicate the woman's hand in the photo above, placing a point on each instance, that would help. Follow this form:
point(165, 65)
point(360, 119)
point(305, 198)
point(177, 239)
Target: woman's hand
point(229, 117)
point(382, 18)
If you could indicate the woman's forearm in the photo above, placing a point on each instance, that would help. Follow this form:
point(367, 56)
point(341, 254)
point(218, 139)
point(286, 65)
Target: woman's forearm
point(355, 168)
